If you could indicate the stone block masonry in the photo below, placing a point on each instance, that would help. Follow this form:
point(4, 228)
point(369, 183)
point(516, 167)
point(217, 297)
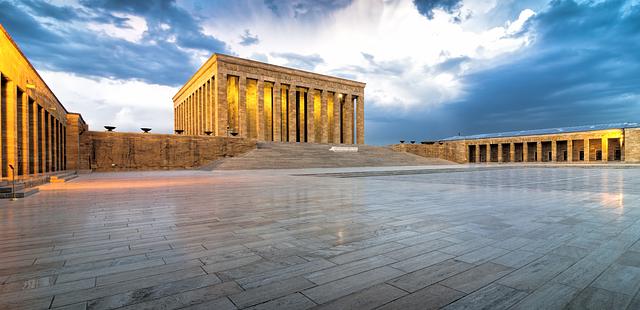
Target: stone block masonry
point(265, 102)
point(583, 144)
point(115, 151)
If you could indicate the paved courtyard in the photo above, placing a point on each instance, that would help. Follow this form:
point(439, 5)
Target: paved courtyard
point(458, 238)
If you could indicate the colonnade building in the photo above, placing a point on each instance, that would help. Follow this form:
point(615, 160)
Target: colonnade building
point(255, 100)
point(603, 143)
point(36, 128)
point(595, 143)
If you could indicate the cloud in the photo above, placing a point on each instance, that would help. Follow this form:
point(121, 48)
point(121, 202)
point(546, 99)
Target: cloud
point(301, 9)
point(127, 105)
point(583, 68)
point(153, 41)
point(427, 7)
point(304, 62)
point(247, 38)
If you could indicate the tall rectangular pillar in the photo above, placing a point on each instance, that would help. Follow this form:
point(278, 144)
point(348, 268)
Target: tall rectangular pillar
point(587, 150)
point(260, 117)
point(42, 147)
point(337, 111)
point(242, 106)
point(539, 150)
point(347, 120)
point(554, 150)
point(277, 110)
point(477, 153)
point(221, 107)
point(324, 118)
point(512, 152)
point(500, 159)
point(25, 134)
point(605, 149)
point(54, 143)
point(292, 122)
point(11, 130)
point(569, 150)
point(525, 151)
point(34, 132)
point(360, 119)
point(309, 117)
point(350, 119)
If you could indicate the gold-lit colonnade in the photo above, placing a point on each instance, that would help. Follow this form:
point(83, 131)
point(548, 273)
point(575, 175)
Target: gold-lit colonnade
point(33, 123)
point(250, 99)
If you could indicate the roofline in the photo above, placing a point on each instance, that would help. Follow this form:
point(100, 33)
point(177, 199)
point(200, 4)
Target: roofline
point(32, 67)
point(224, 57)
point(531, 132)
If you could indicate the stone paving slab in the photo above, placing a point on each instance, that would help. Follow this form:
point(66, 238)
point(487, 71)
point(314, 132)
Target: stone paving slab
point(453, 237)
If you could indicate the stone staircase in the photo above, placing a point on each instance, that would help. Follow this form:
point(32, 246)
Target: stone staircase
point(280, 155)
point(27, 187)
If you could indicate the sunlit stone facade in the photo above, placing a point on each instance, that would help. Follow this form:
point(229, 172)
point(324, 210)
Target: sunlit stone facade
point(250, 99)
point(582, 144)
point(39, 136)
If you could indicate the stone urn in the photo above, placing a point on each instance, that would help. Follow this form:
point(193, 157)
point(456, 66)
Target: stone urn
point(145, 129)
point(109, 128)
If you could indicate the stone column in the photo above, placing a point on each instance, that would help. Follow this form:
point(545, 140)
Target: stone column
point(54, 143)
point(525, 152)
point(347, 121)
point(310, 117)
point(24, 107)
point(242, 106)
point(277, 110)
point(512, 152)
point(539, 150)
point(292, 113)
point(500, 159)
point(324, 118)
point(587, 150)
point(36, 132)
point(11, 130)
point(212, 107)
point(260, 118)
point(360, 119)
point(569, 150)
point(337, 108)
point(43, 139)
point(477, 153)
point(605, 149)
point(554, 150)
point(221, 104)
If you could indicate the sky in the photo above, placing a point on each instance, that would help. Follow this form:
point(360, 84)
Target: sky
point(433, 69)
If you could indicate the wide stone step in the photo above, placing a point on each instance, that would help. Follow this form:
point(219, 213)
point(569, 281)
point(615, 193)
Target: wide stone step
point(296, 155)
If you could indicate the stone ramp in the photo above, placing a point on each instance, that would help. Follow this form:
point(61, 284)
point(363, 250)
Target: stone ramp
point(274, 155)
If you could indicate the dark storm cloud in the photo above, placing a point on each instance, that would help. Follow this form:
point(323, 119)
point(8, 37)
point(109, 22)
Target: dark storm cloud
point(583, 68)
point(247, 38)
point(426, 7)
point(304, 62)
point(162, 56)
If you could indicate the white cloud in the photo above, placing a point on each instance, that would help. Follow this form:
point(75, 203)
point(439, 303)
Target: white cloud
point(127, 105)
point(390, 31)
point(136, 27)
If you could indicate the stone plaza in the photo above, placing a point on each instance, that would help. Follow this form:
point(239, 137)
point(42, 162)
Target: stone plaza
point(458, 237)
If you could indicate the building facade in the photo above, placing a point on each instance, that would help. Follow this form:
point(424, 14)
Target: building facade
point(36, 128)
point(250, 99)
point(582, 144)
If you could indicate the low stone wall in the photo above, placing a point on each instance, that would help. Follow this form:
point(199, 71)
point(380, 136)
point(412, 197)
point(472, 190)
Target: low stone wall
point(451, 151)
point(632, 145)
point(116, 151)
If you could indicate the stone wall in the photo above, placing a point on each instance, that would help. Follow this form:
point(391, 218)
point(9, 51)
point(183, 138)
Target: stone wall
point(632, 145)
point(452, 151)
point(115, 151)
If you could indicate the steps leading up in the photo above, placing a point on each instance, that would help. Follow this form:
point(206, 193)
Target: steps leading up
point(63, 177)
point(279, 155)
point(25, 187)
